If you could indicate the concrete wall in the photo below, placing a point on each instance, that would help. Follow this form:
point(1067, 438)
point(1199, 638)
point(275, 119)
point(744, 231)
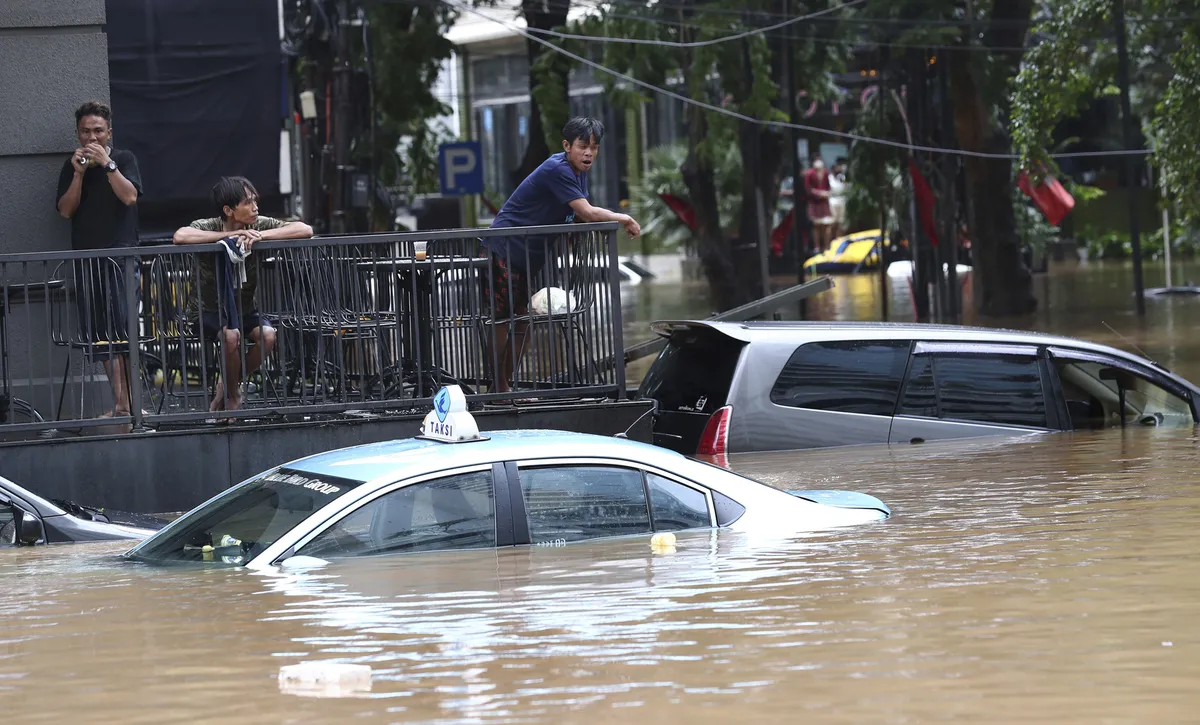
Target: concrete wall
point(54, 56)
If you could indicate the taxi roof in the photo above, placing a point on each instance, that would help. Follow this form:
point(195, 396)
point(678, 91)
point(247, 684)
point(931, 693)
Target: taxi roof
point(413, 456)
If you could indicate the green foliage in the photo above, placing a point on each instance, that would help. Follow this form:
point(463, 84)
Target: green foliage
point(1111, 245)
point(420, 154)
point(658, 221)
point(409, 45)
point(877, 172)
point(1074, 62)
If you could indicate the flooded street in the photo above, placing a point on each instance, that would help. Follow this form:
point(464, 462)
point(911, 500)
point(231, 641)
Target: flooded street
point(1047, 579)
point(1050, 580)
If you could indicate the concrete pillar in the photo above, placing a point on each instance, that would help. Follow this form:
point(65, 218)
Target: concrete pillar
point(54, 56)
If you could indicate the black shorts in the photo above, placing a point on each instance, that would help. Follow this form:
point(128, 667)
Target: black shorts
point(505, 285)
point(213, 322)
point(101, 311)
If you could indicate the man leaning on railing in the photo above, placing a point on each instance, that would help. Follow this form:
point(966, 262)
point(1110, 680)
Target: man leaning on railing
point(98, 190)
point(555, 193)
point(227, 305)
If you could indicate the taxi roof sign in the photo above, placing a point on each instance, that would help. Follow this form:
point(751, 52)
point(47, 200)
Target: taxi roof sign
point(449, 421)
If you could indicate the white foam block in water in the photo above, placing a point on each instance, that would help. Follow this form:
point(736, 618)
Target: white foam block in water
point(324, 679)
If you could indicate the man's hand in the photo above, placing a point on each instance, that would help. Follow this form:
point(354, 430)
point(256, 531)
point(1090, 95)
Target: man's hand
point(79, 160)
point(97, 153)
point(631, 226)
point(246, 238)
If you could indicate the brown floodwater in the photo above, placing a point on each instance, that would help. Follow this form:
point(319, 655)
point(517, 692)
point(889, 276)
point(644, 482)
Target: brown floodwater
point(1052, 580)
point(1042, 579)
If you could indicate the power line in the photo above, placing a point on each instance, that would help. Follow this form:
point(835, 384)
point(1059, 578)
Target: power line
point(700, 43)
point(760, 122)
point(803, 38)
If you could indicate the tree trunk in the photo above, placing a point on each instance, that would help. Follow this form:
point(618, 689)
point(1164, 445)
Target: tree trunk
point(762, 156)
point(541, 15)
point(710, 238)
point(1003, 285)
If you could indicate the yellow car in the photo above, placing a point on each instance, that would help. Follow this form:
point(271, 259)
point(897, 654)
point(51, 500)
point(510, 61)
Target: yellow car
point(847, 255)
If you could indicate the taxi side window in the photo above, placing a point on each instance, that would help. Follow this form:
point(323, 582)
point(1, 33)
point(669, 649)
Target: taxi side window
point(676, 506)
point(456, 512)
point(848, 376)
point(574, 503)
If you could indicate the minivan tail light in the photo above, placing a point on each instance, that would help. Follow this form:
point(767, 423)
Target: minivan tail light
point(715, 438)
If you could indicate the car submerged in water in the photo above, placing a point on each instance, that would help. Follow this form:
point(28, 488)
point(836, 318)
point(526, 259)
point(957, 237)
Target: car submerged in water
point(27, 519)
point(452, 488)
point(724, 387)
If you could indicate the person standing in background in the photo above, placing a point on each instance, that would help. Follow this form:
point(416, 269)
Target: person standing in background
point(838, 192)
point(816, 188)
point(98, 190)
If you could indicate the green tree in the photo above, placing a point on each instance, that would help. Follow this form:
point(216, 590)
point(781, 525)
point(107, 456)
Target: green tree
point(408, 47)
point(1075, 63)
point(979, 78)
point(738, 75)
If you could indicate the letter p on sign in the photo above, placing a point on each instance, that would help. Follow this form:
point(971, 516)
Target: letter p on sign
point(461, 166)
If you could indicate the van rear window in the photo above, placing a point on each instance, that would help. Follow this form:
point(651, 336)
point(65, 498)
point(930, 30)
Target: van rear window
point(848, 376)
point(693, 372)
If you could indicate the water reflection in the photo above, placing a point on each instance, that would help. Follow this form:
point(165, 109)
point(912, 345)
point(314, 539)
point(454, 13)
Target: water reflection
point(1039, 576)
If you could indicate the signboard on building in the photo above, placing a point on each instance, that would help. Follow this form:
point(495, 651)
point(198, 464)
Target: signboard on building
point(460, 167)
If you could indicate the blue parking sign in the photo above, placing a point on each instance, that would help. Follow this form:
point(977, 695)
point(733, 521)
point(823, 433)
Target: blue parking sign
point(460, 167)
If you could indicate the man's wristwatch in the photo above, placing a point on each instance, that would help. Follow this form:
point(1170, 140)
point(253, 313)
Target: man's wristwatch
point(111, 166)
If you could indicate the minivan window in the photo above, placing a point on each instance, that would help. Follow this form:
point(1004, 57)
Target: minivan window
point(848, 376)
point(693, 373)
point(996, 389)
point(1094, 399)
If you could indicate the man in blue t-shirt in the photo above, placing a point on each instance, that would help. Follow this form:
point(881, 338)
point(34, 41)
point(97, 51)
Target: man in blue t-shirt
point(555, 193)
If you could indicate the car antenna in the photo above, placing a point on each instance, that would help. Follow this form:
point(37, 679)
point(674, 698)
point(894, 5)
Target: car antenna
point(653, 409)
point(1127, 341)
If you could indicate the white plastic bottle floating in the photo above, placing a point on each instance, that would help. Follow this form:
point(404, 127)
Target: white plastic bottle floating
point(325, 679)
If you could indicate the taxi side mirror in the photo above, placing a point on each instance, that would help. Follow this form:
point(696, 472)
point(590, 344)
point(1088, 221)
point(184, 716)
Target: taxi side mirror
point(29, 529)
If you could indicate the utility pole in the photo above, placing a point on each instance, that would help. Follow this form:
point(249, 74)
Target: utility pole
point(881, 106)
point(793, 154)
point(1131, 160)
point(341, 116)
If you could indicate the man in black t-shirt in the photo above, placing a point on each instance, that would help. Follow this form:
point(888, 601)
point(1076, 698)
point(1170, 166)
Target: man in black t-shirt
point(98, 190)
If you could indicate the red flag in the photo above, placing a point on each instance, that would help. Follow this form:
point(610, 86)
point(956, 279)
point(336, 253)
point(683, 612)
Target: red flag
point(780, 233)
point(1049, 196)
point(682, 209)
point(924, 198)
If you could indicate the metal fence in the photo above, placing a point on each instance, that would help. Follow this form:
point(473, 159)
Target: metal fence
point(338, 325)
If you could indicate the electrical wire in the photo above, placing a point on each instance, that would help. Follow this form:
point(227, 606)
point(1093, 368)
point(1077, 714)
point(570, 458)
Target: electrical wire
point(788, 36)
point(700, 43)
point(749, 119)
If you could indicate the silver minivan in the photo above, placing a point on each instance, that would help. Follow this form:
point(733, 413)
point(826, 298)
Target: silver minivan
point(726, 387)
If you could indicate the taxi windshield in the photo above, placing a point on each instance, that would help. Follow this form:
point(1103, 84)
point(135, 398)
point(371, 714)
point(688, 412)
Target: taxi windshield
point(241, 524)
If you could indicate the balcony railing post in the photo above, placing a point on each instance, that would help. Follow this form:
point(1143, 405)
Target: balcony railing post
point(618, 332)
point(133, 319)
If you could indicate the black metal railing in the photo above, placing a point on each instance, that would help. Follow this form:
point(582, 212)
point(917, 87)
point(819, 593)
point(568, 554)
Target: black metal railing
point(337, 325)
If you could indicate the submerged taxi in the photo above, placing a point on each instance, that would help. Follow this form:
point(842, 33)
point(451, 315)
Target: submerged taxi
point(453, 488)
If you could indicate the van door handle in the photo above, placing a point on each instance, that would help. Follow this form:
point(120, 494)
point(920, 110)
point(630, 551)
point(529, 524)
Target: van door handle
point(914, 441)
